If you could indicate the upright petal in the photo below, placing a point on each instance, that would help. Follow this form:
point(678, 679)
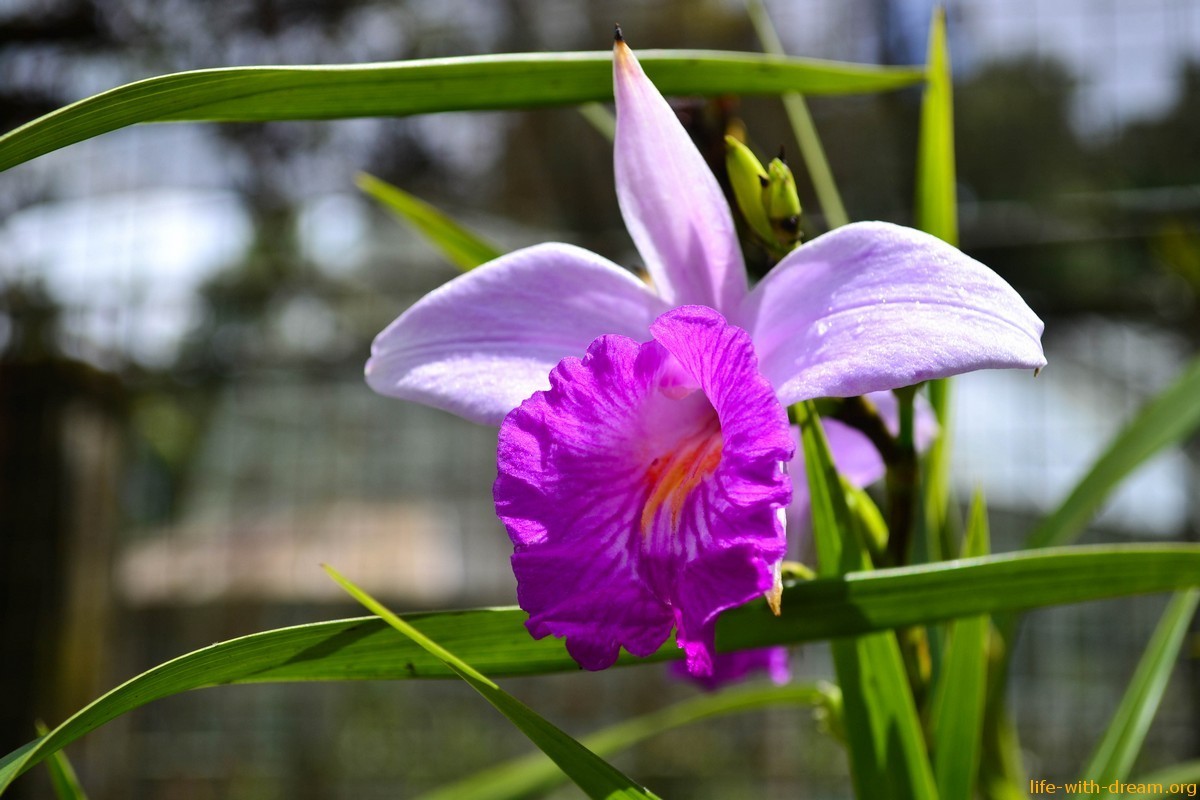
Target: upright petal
point(672, 205)
point(873, 306)
point(486, 340)
point(641, 491)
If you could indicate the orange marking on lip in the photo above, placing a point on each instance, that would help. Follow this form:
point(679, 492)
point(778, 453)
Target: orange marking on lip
point(673, 476)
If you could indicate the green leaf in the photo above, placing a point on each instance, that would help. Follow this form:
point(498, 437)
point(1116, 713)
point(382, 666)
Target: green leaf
point(464, 248)
point(535, 773)
point(1155, 785)
point(600, 118)
point(258, 94)
point(592, 774)
point(937, 205)
point(496, 642)
point(63, 779)
point(1166, 420)
point(937, 213)
point(883, 732)
point(958, 702)
point(1115, 753)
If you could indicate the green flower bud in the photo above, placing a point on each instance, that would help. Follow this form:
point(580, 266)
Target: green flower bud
point(782, 204)
point(749, 180)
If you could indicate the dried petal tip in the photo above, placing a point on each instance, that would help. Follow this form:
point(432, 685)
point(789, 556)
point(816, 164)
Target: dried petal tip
point(617, 35)
point(774, 595)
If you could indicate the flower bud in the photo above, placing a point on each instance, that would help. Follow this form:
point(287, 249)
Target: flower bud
point(766, 197)
point(749, 181)
point(782, 204)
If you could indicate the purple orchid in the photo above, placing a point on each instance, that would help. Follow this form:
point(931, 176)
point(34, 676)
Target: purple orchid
point(737, 666)
point(641, 485)
point(859, 462)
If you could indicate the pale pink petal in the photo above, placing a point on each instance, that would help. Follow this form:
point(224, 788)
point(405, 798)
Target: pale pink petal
point(487, 340)
point(874, 306)
point(672, 205)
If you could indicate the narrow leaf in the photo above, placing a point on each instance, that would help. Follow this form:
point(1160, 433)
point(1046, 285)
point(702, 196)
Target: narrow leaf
point(883, 732)
point(1122, 741)
point(600, 118)
point(592, 774)
point(260, 94)
point(1166, 420)
point(958, 702)
point(937, 204)
point(464, 248)
point(63, 779)
point(495, 639)
point(535, 773)
point(1185, 777)
point(937, 213)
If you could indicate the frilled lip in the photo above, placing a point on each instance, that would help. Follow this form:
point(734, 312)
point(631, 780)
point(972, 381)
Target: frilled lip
point(641, 489)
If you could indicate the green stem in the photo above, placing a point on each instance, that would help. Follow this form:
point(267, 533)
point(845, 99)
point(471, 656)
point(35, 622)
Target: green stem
point(803, 126)
point(899, 457)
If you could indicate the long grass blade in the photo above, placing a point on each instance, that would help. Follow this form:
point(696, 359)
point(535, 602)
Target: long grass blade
point(1122, 741)
point(595, 776)
point(261, 94)
point(535, 773)
point(465, 249)
point(958, 701)
point(883, 733)
point(496, 642)
point(1168, 419)
point(63, 780)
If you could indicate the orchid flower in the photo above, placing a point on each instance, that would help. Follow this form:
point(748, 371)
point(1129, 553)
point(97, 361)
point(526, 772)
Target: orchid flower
point(642, 426)
point(858, 461)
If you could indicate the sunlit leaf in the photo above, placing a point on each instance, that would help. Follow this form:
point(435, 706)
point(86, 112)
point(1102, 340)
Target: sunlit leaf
point(495, 640)
point(535, 773)
point(465, 249)
point(259, 94)
point(595, 776)
point(1115, 753)
point(883, 734)
point(957, 711)
point(937, 204)
point(937, 213)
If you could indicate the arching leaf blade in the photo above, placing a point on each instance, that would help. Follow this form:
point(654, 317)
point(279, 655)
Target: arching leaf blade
point(1122, 741)
point(888, 759)
point(958, 701)
point(1167, 419)
point(535, 773)
point(595, 776)
point(465, 249)
point(471, 83)
point(495, 640)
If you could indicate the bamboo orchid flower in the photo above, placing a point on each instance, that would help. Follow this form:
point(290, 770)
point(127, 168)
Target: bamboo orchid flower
point(642, 426)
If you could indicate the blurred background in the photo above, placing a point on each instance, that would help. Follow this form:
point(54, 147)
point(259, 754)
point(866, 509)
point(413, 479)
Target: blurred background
point(185, 311)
